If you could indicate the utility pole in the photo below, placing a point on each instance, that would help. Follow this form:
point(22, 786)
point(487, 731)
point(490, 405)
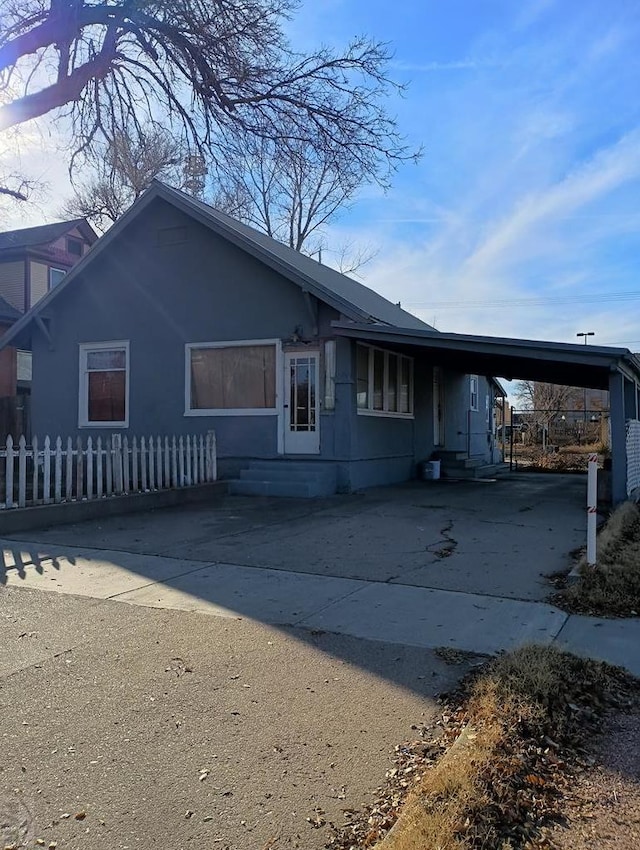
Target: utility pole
point(586, 334)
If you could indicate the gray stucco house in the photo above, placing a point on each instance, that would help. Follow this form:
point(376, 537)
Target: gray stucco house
point(182, 320)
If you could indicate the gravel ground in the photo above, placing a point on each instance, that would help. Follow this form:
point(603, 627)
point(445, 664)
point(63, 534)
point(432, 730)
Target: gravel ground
point(128, 727)
point(604, 812)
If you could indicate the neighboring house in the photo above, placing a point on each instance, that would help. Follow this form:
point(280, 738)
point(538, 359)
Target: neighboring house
point(33, 261)
point(182, 319)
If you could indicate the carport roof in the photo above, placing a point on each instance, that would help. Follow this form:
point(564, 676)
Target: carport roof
point(526, 359)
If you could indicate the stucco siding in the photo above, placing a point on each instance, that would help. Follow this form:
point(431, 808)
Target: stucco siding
point(39, 281)
point(12, 283)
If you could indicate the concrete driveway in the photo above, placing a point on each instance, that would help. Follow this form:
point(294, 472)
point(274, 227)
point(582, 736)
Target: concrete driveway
point(498, 539)
point(444, 563)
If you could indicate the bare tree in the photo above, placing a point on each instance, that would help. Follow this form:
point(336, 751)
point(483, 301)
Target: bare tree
point(291, 191)
point(124, 171)
point(199, 66)
point(545, 402)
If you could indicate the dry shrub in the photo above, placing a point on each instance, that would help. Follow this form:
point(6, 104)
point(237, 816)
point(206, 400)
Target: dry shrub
point(501, 782)
point(612, 588)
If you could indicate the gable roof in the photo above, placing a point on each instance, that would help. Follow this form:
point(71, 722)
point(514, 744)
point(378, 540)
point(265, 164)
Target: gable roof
point(354, 300)
point(8, 312)
point(30, 237)
point(329, 283)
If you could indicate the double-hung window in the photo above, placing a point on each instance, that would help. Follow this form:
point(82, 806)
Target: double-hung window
point(104, 384)
point(384, 382)
point(231, 378)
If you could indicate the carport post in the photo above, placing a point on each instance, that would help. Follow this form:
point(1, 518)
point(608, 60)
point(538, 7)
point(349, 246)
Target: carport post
point(618, 438)
point(592, 509)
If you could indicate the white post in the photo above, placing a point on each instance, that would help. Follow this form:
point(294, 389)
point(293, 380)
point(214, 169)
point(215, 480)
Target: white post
point(79, 469)
point(57, 475)
point(125, 465)
point(189, 480)
point(99, 467)
point(181, 481)
point(69, 471)
point(143, 465)
point(36, 471)
point(592, 508)
point(108, 467)
point(22, 473)
point(46, 488)
point(89, 468)
point(174, 462)
point(158, 463)
point(134, 464)
point(9, 473)
point(152, 478)
point(167, 464)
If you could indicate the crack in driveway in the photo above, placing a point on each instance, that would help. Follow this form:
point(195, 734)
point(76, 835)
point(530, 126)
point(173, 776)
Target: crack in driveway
point(446, 543)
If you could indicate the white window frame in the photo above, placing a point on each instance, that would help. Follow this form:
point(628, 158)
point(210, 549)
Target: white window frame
point(83, 390)
point(393, 414)
point(474, 392)
point(231, 411)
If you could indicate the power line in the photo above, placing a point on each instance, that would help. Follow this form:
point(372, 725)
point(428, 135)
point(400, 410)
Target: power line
point(612, 297)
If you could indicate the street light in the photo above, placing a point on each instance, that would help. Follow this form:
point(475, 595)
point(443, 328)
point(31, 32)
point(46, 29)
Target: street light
point(585, 334)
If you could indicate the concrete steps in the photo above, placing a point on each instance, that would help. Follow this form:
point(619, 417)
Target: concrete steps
point(460, 465)
point(479, 470)
point(293, 479)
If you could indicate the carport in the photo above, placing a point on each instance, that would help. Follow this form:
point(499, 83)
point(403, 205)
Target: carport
point(596, 367)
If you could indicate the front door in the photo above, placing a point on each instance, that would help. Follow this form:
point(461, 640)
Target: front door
point(301, 413)
point(438, 407)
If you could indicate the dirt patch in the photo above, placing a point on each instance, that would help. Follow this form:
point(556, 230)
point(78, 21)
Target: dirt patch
point(612, 587)
point(604, 809)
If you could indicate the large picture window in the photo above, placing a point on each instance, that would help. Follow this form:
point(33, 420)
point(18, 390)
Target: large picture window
point(227, 378)
point(104, 384)
point(384, 382)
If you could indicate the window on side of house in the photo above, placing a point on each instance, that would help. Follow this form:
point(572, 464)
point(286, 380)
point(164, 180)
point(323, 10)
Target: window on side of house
point(473, 392)
point(384, 382)
point(55, 276)
point(104, 384)
point(228, 378)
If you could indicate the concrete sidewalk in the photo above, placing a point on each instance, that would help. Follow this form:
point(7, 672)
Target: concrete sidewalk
point(376, 610)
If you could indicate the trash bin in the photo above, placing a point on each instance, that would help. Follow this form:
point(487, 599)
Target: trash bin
point(429, 470)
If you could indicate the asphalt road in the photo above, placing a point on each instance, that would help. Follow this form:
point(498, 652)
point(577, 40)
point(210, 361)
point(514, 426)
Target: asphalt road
point(164, 728)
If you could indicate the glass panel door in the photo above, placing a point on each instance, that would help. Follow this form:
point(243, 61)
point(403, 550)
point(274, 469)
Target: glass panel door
point(301, 419)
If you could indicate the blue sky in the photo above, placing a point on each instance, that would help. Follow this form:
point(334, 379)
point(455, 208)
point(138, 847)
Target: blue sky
point(529, 187)
point(523, 216)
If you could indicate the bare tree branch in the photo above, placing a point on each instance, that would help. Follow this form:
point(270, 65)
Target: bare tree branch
point(213, 68)
point(291, 191)
point(13, 193)
point(125, 169)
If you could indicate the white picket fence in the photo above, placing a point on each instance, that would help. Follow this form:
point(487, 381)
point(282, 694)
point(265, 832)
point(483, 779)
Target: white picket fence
point(64, 471)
